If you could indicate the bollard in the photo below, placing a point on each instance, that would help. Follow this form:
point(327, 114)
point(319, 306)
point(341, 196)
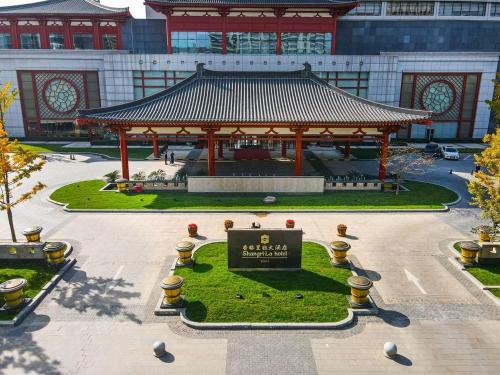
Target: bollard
point(360, 289)
point(54, 252)
point(13, 293)
point(390, 349)
point(468, 252)
point(339, 250)
point(171, 286)
point(159, 349)
point(32, 234)
point(185, 251)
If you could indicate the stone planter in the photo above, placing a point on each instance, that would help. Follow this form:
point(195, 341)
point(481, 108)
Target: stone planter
point(387, 186)
point(138, 188)
point(185, 251)
point(121, 185)
point(339, 250)
point(32, 234)
point(171, 286)
point(290, 224)
point(13, 293)
point(193, 230)
point(360, 289)
point(341, 230)
point(468, 252)
point(228, 224)
point(54, 251)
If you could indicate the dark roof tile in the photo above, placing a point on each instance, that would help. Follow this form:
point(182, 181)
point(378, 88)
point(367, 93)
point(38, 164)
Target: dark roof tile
point(87, 7)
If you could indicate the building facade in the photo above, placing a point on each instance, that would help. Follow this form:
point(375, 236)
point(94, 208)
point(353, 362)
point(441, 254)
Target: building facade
point(66, 55)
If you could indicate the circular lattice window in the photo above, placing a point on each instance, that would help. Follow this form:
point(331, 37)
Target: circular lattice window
point(438, 96)
point(60, 95)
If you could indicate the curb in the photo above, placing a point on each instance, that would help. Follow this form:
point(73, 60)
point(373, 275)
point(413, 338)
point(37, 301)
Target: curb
point(19, 318)
point(104, 156)
point(470, 277)
point(344, 323)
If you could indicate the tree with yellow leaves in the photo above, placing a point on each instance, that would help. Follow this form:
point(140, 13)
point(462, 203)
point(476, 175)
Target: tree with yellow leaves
point(485, 187)
point(16, 164)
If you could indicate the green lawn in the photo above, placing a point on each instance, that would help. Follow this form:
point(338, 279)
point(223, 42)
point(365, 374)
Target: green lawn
point(86, 195)
point(210, 289)
point(496, 292)
point(36, 272)
point(487, 274)
point(114, 152)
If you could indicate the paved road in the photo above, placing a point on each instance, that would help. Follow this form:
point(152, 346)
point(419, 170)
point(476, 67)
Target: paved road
point(99, 319)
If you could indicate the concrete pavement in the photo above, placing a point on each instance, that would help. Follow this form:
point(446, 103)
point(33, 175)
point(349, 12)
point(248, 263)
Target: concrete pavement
point(100, 318)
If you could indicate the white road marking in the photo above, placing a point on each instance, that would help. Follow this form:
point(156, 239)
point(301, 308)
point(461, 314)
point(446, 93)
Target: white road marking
point(111, 284)
point(468, 156)
point(413, 279)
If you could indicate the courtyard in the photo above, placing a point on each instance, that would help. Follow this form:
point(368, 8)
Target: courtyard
point(440, 321)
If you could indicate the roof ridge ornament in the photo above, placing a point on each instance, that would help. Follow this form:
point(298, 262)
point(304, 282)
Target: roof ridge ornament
point(200, 68)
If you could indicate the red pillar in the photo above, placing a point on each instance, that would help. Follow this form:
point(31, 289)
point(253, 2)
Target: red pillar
point(283, 149)
point(298, 154)
point(95, 34)
point(220, 150)
point(384, 153)
point(14, 37)
point(168, 30)
point(124, 153)
point(44, 35)
point(334, 35)
point(156, 149)
point(211, 153)
point(68, 43)
point(347, 150)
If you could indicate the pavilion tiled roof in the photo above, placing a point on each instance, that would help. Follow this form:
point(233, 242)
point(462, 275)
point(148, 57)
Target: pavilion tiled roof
point(54, 7)
point(255, 97)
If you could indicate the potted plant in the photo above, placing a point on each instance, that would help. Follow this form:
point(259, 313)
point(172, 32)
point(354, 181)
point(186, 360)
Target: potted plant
point(290, 223)
point(486, 232)
point(341, 230)
point(138, 188)
point(193, 230)
point(228, 224)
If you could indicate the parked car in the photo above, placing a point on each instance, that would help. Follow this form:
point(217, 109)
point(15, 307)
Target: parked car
point(432, 149)
point(450, 153)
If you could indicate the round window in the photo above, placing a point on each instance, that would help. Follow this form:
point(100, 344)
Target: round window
point(61, 95)
point(438, 96)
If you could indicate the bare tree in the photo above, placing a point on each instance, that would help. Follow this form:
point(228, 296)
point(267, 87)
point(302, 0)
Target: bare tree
point(407, 160)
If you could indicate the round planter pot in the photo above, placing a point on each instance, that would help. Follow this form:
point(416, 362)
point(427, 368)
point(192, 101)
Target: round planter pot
point(290, 224)
point(468, 252)
point(228, 224)
point(32, 234)
point(13, 293)
point(360, 289)
point(54, 252)
point(171, 286)
point(341, 230)
point(121, 184)
point(484, 237)
point(185, 251)
point(339, 250)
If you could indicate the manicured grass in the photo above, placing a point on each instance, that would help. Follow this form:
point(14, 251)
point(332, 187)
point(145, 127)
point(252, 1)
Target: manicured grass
point(114, 152)
point(86, 195)
point(210, 289)
point(36, 272)
point(487, 274)
point(496, 292)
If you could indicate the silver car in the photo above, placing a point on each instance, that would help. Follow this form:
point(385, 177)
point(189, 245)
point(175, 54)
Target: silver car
point(450, 153)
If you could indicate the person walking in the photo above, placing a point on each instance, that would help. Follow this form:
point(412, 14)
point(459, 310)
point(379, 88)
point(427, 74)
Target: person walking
point(166, 158)
point(172, 158)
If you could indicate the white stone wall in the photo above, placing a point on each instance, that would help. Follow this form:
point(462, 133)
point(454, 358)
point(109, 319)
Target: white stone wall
point(116, 69)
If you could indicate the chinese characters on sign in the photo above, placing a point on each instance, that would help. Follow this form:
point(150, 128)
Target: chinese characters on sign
point(264, 249)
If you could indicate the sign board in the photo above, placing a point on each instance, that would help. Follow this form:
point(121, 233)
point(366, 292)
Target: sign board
point(264, 249)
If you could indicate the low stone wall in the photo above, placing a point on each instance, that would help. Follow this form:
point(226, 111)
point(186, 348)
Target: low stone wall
point(22, 250)
point(250, 184)
point(353, 185)
point(167, 185)
point(489, 253)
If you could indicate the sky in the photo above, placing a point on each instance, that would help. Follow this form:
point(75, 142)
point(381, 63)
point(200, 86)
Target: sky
point(136, 6)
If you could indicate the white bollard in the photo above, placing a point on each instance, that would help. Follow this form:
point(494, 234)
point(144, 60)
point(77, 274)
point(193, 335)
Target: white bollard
point(390, 349)
point(159, 349)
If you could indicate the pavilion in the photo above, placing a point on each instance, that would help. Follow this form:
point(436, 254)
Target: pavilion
point(219, 106)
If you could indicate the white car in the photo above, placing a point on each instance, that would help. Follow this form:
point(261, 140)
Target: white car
point(450, 153)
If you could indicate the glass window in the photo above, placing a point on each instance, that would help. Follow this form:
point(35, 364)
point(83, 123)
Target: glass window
point(306, 43)
point(353, 82)
point(30, 40)
point(410, 8)
point(56, 41)
point(197, 42)
point(150, 82)
point(495, 10)
point(5, 41)
point(83, 41)
point(367, 8)
point(109, 41)
point(456, 8)
point(251, 43)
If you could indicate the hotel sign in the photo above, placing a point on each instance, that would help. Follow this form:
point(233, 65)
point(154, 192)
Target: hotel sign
point(264, 249)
